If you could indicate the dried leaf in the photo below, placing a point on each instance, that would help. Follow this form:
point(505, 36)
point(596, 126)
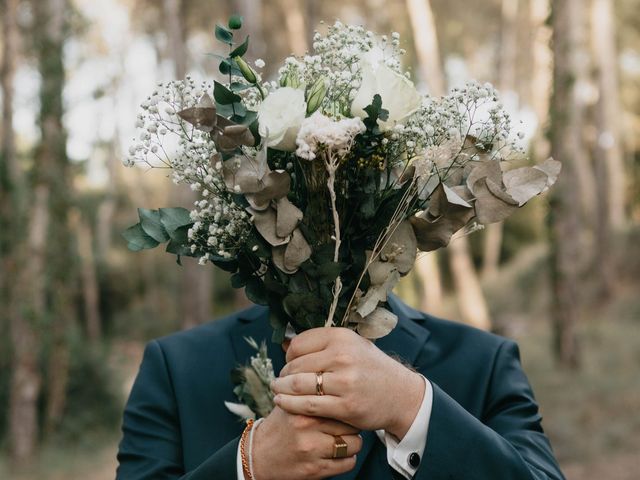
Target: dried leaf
point(277, 255)
point(490, 208)
point(288, 217)
point(275, 185)
point(202, 116)
point(447, 213)
point(377, 324)
point(240, 175)
point(297, 252)
point(552, 168)
point(380, 271)
point(522, 184)
point(265, 222)
point(400, 249)
point(489, 169)
point(376, 294)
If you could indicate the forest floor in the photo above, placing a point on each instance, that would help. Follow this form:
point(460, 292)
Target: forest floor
point(590, 414)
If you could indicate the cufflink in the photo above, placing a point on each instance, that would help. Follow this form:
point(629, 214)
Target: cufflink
point(414, 460)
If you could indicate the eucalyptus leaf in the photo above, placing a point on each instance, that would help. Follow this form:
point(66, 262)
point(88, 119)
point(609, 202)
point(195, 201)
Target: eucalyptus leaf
point(152, 225)
point(241, 49)
point(223, 35)
point(137, 239)
point(255, 291)
point(223, 95)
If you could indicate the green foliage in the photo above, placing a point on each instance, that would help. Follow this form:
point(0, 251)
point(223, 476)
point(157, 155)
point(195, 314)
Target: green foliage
point(235, 22)
point(159, 226)
point(223, 35)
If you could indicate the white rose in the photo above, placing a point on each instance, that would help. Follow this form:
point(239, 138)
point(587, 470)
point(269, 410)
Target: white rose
point(398, 93)
point(280, 116)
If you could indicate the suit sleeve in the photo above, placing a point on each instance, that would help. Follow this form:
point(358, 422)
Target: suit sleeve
point(151, 446)
point(507, 443)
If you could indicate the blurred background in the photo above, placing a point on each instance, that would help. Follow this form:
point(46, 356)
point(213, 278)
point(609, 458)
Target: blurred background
point(561, 276)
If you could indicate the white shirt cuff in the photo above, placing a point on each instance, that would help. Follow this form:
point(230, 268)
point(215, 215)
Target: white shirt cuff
point(405, 456)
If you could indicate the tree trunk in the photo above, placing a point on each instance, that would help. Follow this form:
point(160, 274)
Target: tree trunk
point(425, 42)
point(295, 24)
point(470, 297)
point(609, 149)
point(53, 170)
point(27, 309)
point(540, 77)
point(428, 271)
point(90, 291)
point(473, 306)
point(567, 144)
point(196, 284)
point(608, 156)
point(493, 233)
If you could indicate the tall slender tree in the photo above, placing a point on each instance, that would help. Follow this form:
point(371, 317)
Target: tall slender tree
point(608, 155)
point(473, 306)
point(567, 145)
point(196, 285)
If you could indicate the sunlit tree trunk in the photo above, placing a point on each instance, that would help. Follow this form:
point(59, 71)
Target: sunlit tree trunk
point(473, 306)
point(540, 78)
point(609, 149)
point(293, 13)
point(493, 233)
point(608, 155)
point(196, 286)
point(567, 145)
point(428, 271)
point(426, 44)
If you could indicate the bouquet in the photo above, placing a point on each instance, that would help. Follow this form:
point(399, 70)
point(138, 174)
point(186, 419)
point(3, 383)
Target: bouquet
point(317, 190)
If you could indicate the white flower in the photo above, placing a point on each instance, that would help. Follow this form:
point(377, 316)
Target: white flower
point(259, 63)
point(319, 131)
point(398, 93)
point(280, 117)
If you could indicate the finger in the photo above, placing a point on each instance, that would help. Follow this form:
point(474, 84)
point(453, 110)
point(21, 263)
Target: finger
point(310, 405)
point(310, 362)
point(306, 384)
point(331, 467)
point(354, 445)
point(309, 341)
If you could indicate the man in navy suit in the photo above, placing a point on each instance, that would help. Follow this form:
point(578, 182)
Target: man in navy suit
point(433, 400)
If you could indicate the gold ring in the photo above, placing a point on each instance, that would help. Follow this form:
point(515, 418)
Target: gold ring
point(339, 447)
point(319, 389)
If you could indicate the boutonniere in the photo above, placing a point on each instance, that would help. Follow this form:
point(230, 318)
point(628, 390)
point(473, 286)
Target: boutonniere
point(253, 385)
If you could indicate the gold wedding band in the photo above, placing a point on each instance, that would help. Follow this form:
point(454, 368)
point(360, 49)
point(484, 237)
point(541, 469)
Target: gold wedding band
point(339, 447)
point(319, 389)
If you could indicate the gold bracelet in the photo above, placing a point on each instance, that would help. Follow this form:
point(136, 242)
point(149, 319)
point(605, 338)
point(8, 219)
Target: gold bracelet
point(243, 450)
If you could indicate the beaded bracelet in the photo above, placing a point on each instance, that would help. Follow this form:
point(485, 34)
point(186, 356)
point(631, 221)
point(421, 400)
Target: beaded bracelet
point(253, 430)
point(246, 469)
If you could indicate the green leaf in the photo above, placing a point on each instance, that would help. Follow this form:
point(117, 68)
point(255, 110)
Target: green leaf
point(137, 239)
point(226, 264)
point(255, 291)
point(226, 66)
point(239, 87)
point(151, 224)
point(174, 218)
point(375, 112)
point(223, 35)
point(235, 22)
point(223, 95)
point(328, 272)
point(238, 280)
point(241, 49)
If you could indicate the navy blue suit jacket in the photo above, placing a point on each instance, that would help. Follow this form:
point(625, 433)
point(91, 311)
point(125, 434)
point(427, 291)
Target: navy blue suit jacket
point(484, 423)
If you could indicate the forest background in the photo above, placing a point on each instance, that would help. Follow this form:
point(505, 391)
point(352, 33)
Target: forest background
point(76, 307)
